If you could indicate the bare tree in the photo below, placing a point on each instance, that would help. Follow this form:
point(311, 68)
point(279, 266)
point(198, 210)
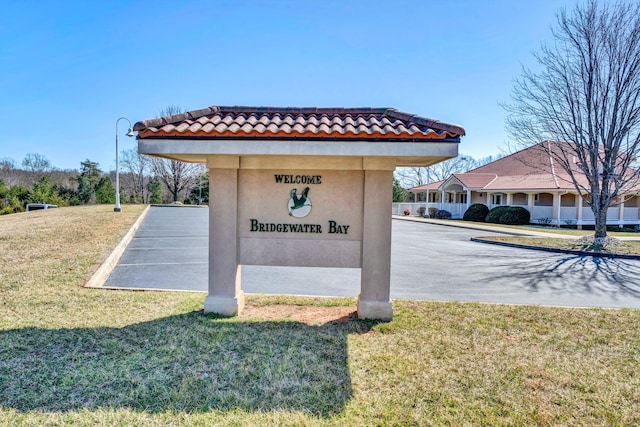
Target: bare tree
point(177, 176)
point(36, 166)
point(8, 171)
point(413, 177)
point(585, 97)
point(136, 170)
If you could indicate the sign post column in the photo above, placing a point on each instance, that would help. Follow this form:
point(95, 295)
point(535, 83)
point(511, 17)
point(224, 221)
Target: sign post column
point(225, 294)
point(374, 300)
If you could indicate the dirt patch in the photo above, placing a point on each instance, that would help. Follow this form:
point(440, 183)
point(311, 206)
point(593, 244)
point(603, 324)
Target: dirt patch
point(310, 315)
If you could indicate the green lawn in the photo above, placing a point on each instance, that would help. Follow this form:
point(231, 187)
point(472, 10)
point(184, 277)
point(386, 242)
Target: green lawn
point(76, 356)
point(548, 229)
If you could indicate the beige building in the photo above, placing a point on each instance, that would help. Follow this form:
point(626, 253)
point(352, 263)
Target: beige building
point(527, 178)
point(303, 187)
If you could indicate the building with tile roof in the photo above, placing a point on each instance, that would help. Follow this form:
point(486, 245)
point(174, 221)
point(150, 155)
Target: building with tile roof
point(529, 178)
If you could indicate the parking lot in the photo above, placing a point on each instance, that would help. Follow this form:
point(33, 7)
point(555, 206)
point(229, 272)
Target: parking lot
point(428, 262)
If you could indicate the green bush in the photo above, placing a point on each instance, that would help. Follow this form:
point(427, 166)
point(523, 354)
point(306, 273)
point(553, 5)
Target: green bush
point(494, 214)
point(442, 214)
point(515, 215)
point(476, 212)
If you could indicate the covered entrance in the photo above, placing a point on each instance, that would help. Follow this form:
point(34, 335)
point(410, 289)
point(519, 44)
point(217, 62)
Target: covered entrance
point(304, 187)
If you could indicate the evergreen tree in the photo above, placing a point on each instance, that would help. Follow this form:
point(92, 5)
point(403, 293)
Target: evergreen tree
point(399, 193)
point(155, 191)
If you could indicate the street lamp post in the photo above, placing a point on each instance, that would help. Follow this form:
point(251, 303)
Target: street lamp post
point(129, 134)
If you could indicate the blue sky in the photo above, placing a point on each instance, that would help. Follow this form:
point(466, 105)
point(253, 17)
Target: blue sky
point(70, 69)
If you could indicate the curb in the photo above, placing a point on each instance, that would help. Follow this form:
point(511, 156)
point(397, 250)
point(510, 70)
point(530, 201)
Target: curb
point(104, 271)
point(555, 250)
point(466, 227)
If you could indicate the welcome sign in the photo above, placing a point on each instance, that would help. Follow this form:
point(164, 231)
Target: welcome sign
point(322, 207)
point(300, 186)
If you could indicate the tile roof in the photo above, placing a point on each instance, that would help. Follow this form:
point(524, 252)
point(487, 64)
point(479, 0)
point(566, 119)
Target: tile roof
point(541, 181)
point(219, 122)
point(529, 169)
point(432, 186)
point(475, 180)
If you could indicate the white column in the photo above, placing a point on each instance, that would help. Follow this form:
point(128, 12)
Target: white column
point(509, 199)
point(468, 198)
point(557, 201)
point(489, 200)
point(580, 202)
point(621, 212)
point(442, 198)
point(531, 200)
point(225, 294)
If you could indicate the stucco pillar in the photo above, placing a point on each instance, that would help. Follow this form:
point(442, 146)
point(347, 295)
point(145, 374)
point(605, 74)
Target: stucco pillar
point(509, 199)
point(489, 200)
point(468, 198)
point(531, 200)
point(225, 295)
point(374, 300)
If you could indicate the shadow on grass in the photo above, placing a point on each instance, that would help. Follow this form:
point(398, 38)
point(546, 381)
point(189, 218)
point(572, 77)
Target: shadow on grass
point(188, 362)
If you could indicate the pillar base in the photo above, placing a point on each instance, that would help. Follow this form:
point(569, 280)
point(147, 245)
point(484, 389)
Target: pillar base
point(374, 309)
point(224, 306)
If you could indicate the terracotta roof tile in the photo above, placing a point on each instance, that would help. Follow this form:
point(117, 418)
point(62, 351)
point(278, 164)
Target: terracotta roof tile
point(312, 123)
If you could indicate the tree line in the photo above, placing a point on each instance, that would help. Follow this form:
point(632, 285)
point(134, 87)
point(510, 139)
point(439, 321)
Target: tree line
point(142, 180)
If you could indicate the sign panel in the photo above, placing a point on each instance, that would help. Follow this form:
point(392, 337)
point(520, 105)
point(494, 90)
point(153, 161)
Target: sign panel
point(300, 218)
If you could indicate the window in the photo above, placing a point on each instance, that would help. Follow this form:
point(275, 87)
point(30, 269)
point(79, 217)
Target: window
point(497, 199)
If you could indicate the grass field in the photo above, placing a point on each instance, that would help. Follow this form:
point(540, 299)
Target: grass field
point(76, 356)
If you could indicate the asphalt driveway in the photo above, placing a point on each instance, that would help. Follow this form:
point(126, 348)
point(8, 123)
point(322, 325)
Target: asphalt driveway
point(429, 262)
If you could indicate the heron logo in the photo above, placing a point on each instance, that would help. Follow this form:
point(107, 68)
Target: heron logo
point(299, 204)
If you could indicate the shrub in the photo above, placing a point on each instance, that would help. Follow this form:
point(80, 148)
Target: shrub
point(544, 221)
point(494, 214)
point(515, 215)
point(442, 214)
point(476, 212)
point(433, 212)
point(421, 211)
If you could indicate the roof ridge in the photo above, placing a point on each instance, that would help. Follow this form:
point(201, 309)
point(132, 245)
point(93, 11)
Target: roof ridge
point(551, 162)
point(495, 176)
point(432, 123)
point(237, 109)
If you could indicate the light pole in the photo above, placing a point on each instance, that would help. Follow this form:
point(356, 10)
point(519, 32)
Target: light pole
point(129, 134)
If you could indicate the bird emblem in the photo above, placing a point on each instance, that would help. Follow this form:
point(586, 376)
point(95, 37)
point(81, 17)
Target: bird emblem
point(299, 204)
